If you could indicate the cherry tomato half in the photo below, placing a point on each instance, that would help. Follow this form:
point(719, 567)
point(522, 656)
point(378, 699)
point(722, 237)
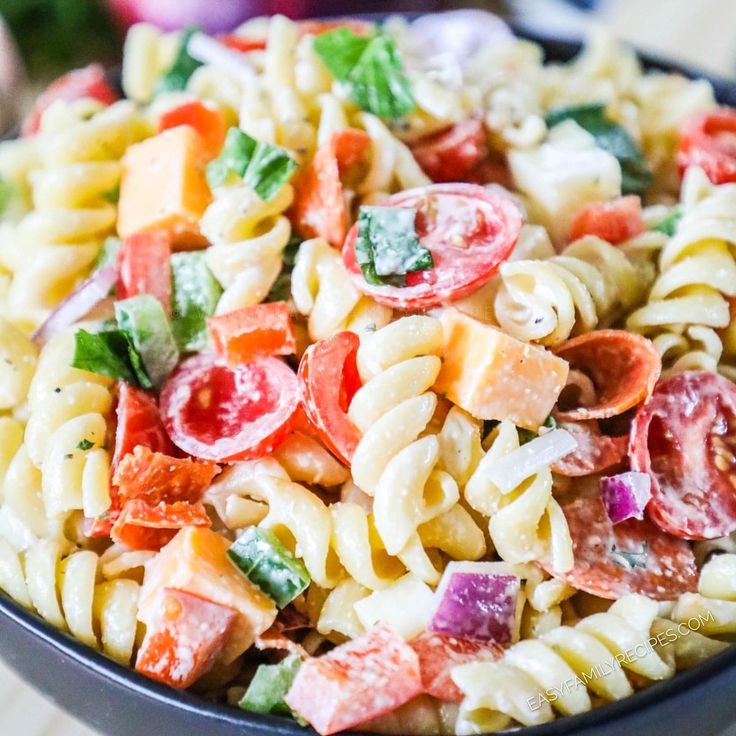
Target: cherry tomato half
point(216, 412)
point(470, 231)
point(685, 438)
point(709, 141)
point(328, 380)
point(613, 221)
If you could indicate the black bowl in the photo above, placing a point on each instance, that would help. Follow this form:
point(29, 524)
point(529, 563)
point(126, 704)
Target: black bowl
point(119, 702)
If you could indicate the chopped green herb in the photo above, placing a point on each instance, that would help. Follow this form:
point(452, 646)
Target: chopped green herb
point(112, 195)
point(7, 193)
point(110, 353)
point(143, 319)
point(387, 247)
point(85, 445)
point(176, 78)
point(668, 225)
point(611, 137)
point(630, 560)
point(550, 422)
point(195, 296)
point(269, 687)
point(371, 68)
point(260, 556)
point(263, 167)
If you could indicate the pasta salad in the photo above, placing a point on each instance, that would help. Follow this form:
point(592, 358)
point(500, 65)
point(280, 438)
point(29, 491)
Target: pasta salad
point(380, 377)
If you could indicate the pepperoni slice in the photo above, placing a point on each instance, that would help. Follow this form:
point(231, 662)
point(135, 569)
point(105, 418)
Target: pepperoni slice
point(470, 230)
point(155, 477)
point(595, 452)
point(624, 368)
point(630, 557)
point(450, 154)
point(141, 526)
point(226, 414)
point(685, 438)
point(328, 380)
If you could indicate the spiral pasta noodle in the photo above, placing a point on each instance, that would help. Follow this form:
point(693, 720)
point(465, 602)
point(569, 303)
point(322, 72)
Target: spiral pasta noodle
point(527, 523)
point(58, 241)
point(322, 291)
point(688, 302)
point(588, 285)
point(557, 669)
point(248, 238)
point(66, 433)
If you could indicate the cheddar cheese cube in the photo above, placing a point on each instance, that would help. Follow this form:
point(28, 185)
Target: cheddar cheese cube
point(164, 187)
point(196, 562)
point(494, 376)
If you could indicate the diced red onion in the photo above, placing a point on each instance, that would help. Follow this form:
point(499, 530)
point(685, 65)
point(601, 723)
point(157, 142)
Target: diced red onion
point(509, 471)
point(209, 51)
point(78, 304)
point(626, 495)
point(460, 32)
point(472, 603)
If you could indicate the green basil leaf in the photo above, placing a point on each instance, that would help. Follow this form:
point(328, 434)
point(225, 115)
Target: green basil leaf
point(269, 687)
point(340, 50)
point(371, 69)
point(281, 289)
point(263, 167)
point(143, 319)
point(110, 353)
point(387, 247)
point(611, 137)
point(668, 225)
point(378, 83)
point(195, 296)
point(178, 74)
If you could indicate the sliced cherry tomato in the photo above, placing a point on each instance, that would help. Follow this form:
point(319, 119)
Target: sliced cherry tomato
point(253, 332)
point(208, 121)
point(709, 140)
point(215, 412)
point(328, 380)
point(244, 44)
point(184, 639)
point(141, 526)
point(439, 655)
point(319, 204)
point(450, 154)
point(630, 557)
point(595, 452)
point(623, 366)
point(359, 680)
point(685, 438)
point(144, 267)
point(470, 230)
point(155, 477)
point(613, 222)
point(91, 81)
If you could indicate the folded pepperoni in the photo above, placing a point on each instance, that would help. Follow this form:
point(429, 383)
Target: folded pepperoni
point(623, 367)
point(685, 438)
point(595, 452)
point(141, 526)
point(630, 557)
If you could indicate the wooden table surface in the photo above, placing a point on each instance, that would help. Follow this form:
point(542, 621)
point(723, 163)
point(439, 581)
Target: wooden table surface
point(700, 32)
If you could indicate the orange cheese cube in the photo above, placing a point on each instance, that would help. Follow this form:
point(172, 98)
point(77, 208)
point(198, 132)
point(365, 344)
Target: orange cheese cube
point(164, 187)
point(494, 376)
point(196, 562)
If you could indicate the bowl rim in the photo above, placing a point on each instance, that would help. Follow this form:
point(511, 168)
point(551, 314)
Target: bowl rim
point(556, 48)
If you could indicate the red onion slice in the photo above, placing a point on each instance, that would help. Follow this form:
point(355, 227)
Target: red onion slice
point(626, 495)
point(78, 304)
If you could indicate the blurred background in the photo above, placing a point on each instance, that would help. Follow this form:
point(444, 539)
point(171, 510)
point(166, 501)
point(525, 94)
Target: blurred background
point(40, 39)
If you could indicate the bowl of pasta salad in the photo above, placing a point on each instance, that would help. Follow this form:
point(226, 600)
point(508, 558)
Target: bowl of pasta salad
point(372, 376)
